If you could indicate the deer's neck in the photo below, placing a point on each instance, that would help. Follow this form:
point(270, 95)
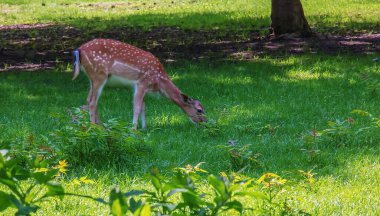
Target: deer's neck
point(172, 92)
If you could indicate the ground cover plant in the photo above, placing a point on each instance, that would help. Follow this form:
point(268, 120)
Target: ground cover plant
point(312, 119)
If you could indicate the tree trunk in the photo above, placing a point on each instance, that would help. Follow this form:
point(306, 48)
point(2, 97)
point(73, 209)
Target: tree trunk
point(288, 17)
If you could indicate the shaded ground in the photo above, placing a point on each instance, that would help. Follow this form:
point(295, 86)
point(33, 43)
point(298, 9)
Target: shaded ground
point(30, 47)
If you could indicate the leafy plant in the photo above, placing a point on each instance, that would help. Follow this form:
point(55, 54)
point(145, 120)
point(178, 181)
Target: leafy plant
point(312, 140)
point(371, 84)
point(178, 194)
point(40, 184)
point(158, 200)
point(241, 156)
point(123, 203)
point(81, 142)
point(29, 146)
point(272, 186)
point(211, 128)
point(374, 121)
point(308, 178)
point(353, 130)
point(339, 131)
point(226, 191)
point(343, 132)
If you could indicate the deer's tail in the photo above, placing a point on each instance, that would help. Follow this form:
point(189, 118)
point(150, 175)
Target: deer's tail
point(76, 63)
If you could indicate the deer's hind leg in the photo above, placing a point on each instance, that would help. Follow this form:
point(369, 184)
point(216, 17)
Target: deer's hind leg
point(138, 102)
point(142, 116)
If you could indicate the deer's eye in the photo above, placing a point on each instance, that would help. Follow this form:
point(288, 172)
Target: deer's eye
point(200, 111)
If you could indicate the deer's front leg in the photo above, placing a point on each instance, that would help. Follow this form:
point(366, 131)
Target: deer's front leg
point(96, 91)
point(86, 107)
point(138, 103)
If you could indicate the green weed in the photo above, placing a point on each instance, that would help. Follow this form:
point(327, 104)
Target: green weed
point(80, 142)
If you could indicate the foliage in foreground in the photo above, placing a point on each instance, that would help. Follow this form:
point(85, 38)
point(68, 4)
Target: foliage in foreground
point(40, 181)
point(31, 179)
point(179, 194)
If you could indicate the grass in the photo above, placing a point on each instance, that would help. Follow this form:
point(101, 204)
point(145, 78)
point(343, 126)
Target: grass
point(292, 94)
point(323, 15)
point(270, 103)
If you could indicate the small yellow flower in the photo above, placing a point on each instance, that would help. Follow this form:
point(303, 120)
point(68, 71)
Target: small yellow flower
point(62, 166)
point(76, 182)
point(271, 179)
point(223, 174)
point(63, 163)
point(85, 180)
point(197, 168)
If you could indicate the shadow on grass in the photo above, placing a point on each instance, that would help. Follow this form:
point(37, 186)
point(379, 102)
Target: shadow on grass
point(223, 36)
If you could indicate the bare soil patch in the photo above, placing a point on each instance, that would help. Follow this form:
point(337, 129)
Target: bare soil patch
point(42, 46)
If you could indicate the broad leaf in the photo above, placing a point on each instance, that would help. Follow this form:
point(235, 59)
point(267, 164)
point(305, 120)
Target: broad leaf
point(192, 199)
point(44, 177)
point(235, 205)
point(2, 161)
point(134, 206)
point(217, 184)
point(55, 189)
point(5, 201)
point(117, 202)
point(234, 187)
point(116, 208)
point(257, 195)
point(29, 197)
point(156, 182)
point(19, 173)
point(134, 193)
point(146, 210)
point(26, 210)
point(11, 185)
point(177, 190)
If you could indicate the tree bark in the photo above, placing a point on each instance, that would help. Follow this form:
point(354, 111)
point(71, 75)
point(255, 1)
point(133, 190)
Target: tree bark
point(288, 17)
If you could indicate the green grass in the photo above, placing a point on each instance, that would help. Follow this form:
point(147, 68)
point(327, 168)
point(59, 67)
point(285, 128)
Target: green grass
point(232, 15)
point(294, 94)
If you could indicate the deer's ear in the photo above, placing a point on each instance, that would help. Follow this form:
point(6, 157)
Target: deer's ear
point(186, 98)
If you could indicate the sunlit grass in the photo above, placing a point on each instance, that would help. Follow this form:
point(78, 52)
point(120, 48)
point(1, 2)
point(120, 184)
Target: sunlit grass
point(325, 15)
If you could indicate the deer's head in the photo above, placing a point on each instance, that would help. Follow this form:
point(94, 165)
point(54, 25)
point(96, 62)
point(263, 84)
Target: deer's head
point(194, 109)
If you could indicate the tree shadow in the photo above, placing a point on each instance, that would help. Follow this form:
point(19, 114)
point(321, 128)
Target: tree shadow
point(43, 46)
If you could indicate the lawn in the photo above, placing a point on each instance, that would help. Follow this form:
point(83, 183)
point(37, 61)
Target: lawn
point(270, 103)
point(230, 15)
point(312, 119)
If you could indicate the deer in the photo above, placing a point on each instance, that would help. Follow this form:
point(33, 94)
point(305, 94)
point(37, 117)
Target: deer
point(108, 60)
